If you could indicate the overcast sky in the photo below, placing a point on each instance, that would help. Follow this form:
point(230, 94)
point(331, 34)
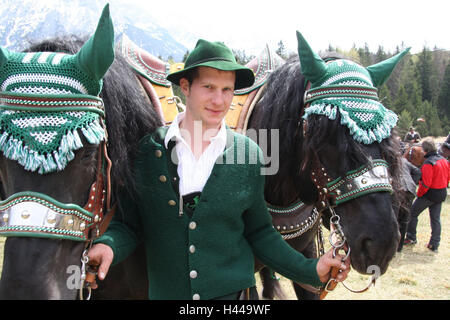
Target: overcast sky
point(249, 24)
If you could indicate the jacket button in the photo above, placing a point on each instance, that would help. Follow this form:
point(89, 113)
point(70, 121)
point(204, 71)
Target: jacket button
point(196, 296)
point(162, 178)
point(172, 202)
point(192, 225)
point(193, 274)
point(192, 248)
point(158, 153)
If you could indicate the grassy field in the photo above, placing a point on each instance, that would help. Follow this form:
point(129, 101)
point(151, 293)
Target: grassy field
point(415, 273)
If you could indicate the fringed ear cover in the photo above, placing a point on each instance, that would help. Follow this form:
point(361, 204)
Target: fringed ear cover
point(344, 86)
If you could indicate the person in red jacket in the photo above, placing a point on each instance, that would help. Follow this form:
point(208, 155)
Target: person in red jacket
point(431, 193)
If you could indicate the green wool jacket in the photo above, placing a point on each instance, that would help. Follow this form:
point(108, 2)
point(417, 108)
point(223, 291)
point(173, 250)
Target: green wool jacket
point(211, 253)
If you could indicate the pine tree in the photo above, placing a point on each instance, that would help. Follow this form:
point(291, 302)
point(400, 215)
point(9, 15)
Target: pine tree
point(410, 80)
point(405, 121)
point(364, 55)
point(367, 55)
point(380, 55)
point(425, 67)
point(444, 94)
point(402, 101)
point(385, 96)
point(432, 126)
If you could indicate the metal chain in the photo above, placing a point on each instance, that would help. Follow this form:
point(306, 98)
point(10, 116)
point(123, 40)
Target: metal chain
point(320, 245)
point(84, 262)
point(84, 266)
point(337, 238)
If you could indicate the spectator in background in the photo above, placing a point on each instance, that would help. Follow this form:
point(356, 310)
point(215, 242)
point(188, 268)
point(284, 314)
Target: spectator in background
point(445, 149)
point(412, 136)
point(431, 193)
point(409, 178)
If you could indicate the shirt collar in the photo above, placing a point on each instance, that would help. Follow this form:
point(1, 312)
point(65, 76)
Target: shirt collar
point(174, 131)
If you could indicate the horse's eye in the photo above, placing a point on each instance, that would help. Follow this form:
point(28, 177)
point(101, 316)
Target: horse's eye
point(88, 153)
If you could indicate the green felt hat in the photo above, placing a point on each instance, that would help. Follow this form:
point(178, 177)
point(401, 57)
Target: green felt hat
point(345, 87)
point(215, 55)
point(46, 98)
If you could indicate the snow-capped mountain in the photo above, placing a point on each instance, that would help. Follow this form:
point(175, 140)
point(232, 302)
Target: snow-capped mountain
point(25, 21)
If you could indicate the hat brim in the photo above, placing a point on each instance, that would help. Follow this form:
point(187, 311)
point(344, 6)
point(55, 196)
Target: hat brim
point(244, 76)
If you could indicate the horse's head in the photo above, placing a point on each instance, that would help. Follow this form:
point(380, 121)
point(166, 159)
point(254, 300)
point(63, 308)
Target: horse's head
point(52, 170)
point(444, 150)
point(349, 152)
point(415, 155)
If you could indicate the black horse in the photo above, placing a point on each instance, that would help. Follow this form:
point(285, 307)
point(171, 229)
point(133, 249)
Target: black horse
point(369, 223)
point(37, 268)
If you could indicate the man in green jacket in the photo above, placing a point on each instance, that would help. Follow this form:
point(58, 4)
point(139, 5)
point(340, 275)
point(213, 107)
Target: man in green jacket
point(200, 208)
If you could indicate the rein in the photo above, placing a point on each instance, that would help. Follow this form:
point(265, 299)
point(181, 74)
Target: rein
point(101, 220)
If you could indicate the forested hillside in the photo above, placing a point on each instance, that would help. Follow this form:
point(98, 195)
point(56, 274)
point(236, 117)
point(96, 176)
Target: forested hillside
point(418, 90)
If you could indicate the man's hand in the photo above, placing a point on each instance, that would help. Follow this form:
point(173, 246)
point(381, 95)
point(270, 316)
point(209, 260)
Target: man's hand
point(326, 262)
point(102, 256)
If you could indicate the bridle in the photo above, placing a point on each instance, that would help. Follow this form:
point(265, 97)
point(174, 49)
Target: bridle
point(373, 177)
point(413, 155)
point(33, 214)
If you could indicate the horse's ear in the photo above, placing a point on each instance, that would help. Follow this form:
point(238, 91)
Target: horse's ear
point(3, 56)
point(313, 67)
point(97, 54)
point(381, 71)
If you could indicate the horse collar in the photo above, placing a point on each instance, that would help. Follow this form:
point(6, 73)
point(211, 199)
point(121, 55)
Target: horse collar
point(294, 220)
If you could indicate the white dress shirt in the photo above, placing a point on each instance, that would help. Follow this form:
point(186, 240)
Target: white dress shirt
point(194, 173)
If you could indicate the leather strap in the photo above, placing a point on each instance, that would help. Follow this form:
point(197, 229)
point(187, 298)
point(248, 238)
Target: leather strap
point(152, 94)
point(320, 179)
point(331, 284)
point(96, 201)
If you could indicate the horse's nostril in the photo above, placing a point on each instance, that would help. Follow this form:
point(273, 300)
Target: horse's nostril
point(367, 246)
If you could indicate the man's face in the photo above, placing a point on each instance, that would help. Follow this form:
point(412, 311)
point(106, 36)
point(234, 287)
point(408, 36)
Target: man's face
point(209, 96)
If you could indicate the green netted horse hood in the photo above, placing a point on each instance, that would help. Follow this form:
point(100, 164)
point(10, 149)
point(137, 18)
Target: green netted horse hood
point(46, 97)
point(346, 87)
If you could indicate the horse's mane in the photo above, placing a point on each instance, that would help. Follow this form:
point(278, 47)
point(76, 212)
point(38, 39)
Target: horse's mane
point(129, 113)
point(281, 108)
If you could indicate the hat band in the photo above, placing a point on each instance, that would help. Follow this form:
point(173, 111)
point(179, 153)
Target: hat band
point(340, 91)
point(209, 60)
